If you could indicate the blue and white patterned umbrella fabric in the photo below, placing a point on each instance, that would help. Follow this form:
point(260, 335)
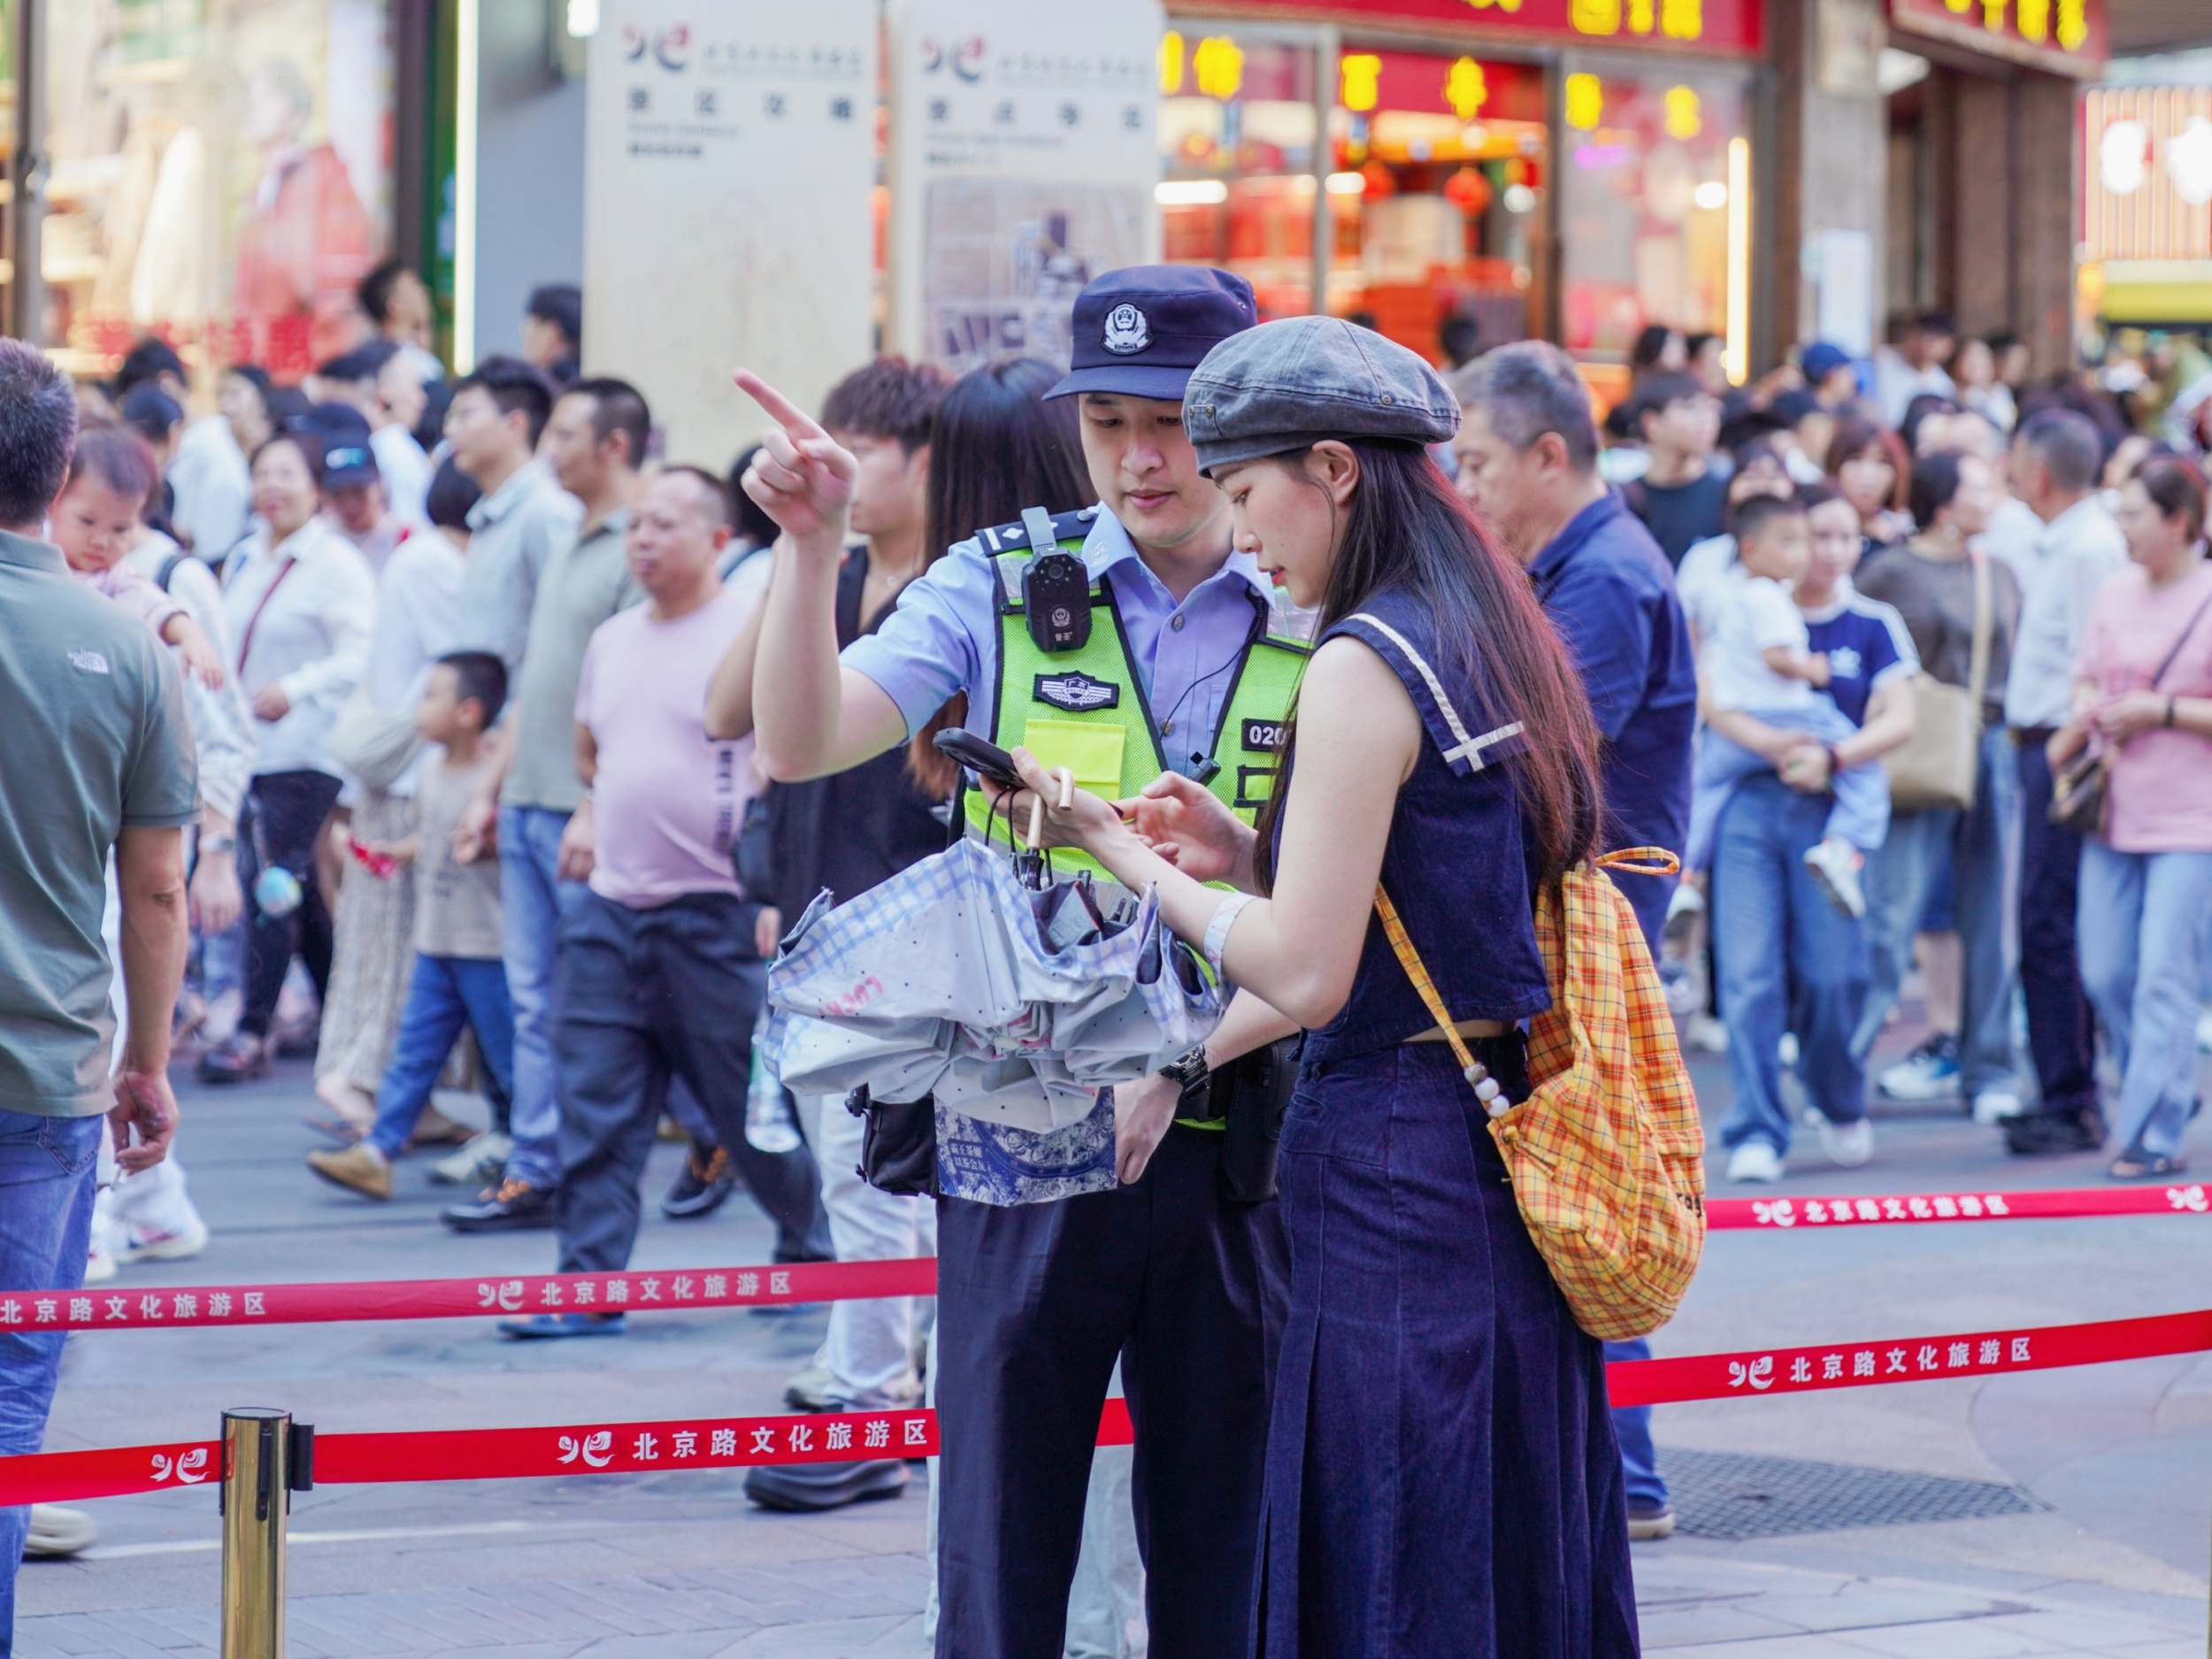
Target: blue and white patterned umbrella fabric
point(1012, 1006)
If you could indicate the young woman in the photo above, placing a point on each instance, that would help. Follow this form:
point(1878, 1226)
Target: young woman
point(1441, 1473)
point(1871, 467)
point(1932, 581)
point(2145, 910)
point(1787, 959)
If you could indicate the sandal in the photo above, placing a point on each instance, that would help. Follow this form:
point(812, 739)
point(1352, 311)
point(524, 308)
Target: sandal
point(2137, 1166)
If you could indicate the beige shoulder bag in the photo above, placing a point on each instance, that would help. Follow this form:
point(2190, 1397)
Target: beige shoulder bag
point(1936, 767)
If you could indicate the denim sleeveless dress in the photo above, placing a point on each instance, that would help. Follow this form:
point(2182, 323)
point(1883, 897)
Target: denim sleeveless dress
point(1441, 1476)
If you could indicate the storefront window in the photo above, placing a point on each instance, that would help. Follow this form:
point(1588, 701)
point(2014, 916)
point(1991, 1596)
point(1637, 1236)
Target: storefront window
point(1654, 222)
point(1432, 171)
point(221, 176)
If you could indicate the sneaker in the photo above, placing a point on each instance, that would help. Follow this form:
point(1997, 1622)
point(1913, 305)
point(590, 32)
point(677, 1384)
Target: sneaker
point(56, 1532)
point(1929, 1072)
point(1706, 1034)
point(2054, 1134)
point(434, 1128)
point(238, 1057)
point(361, 1169)
point(99, 1266)
point(1847, 1145)
point(1649, 1519)
point(1997, 1105)
point(477, 1163)
point(143, 1244)
point(1835, 863)
point(1754, 1160)
point(509, 1207)
point(545, 1327)
point(810, 1390)
point(701, 1185)
point(800, 1486)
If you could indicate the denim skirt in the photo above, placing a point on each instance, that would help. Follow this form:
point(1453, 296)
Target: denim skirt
point(1441, 1474)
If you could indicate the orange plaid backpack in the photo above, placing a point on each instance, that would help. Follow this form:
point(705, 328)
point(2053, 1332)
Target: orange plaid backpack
point(1607, 1155)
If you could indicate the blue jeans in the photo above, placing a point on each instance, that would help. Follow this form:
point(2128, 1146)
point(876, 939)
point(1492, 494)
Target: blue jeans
point(1857, 797)
point(1983, 846)
point(1787, 960)
point(533, 900)
point(446, 993)
point(2145, 921)
point(46, 1183)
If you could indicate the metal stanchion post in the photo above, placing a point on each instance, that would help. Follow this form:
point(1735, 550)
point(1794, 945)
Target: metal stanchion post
point(267, 1457)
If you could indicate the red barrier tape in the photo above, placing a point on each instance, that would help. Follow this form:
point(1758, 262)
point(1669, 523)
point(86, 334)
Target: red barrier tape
point(613, 1448)
point(236, 1305)
point(736, 1442)
point(1776, 1214)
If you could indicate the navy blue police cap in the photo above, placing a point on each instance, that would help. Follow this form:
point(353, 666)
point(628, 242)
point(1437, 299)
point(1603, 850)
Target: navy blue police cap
point(1142, 330)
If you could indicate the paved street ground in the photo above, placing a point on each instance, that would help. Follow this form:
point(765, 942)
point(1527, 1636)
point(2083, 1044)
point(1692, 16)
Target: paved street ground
point(2079, 1502)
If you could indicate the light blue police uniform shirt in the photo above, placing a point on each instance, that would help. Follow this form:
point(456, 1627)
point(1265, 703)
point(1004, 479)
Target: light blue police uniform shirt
point(942, 638)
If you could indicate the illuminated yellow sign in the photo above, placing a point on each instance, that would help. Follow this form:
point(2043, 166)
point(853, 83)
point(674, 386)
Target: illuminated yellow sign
point(1585, 102)
point(1170, 63)
point(1217, 66)
point(1684, 118)
point(1676, 20)
point(1465, 89)
point(1363, 81)
point(1503, 5)
point(2073, 23)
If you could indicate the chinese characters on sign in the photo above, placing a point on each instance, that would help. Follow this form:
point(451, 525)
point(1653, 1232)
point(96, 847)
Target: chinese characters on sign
point(730, 160)
point(828, 1439)
point(1022, 164)
point(1706, 25)
point(1846, 1366)
point(2066, 37)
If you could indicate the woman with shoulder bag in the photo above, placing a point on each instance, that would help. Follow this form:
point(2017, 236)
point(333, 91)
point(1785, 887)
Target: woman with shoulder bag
point(2143, 717)
point(1442, 1475)
point(1954, 789)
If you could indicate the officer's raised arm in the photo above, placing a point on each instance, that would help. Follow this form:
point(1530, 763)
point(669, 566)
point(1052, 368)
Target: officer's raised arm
point(809, 715)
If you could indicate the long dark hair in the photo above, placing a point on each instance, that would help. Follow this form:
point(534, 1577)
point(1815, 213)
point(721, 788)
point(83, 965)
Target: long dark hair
point(997, 448)
point(1407, 530)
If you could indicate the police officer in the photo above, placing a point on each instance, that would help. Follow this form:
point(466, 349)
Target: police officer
point(1124, 642)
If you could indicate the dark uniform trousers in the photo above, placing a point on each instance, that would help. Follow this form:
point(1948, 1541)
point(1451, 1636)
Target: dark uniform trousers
point(640, 997)
point(1035, 1304)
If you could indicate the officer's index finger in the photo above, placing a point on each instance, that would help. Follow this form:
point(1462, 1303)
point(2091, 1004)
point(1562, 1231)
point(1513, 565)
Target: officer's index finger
point(786, 413)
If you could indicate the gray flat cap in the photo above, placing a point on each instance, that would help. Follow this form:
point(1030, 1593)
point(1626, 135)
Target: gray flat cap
point(1288, 384)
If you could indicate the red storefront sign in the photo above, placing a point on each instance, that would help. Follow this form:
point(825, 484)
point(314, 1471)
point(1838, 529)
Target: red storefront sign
point(1465, 88)
point(2061, 37)
point(1731, 27)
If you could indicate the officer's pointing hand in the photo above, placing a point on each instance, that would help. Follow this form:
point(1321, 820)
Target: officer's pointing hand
point(801, 477)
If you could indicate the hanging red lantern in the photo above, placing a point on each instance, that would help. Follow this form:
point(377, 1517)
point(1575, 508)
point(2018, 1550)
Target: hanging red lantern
point(1468, 190)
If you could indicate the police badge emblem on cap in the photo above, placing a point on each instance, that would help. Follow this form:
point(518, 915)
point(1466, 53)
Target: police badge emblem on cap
point(1126, 331)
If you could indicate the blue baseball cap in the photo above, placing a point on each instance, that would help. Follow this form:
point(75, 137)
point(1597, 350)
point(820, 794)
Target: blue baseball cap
point(1142, 330)
point(1821, 359)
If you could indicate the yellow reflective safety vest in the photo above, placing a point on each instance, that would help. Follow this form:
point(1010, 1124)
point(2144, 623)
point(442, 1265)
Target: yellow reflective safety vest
point(1086, 709)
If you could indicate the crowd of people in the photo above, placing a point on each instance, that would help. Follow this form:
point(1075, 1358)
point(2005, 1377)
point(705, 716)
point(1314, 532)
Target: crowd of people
point(1894, 575)
point(520, 746)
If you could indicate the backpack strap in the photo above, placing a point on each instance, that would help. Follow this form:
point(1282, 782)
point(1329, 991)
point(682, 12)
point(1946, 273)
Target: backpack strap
point(169, 568)
point(1485, 1087)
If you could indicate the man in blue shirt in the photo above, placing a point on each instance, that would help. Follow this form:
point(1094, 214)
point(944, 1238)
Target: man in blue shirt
point(1528, 452)
point(1049, 1266)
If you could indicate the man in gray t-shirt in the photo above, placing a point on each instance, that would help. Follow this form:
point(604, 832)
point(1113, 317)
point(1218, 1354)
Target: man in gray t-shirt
point(97, 755)
point(497, 414)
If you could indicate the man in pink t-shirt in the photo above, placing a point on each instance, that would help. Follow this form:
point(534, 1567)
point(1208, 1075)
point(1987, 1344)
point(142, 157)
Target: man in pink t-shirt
point(658, 977)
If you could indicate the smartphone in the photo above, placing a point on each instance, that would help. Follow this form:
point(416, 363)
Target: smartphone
point(986, 759)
